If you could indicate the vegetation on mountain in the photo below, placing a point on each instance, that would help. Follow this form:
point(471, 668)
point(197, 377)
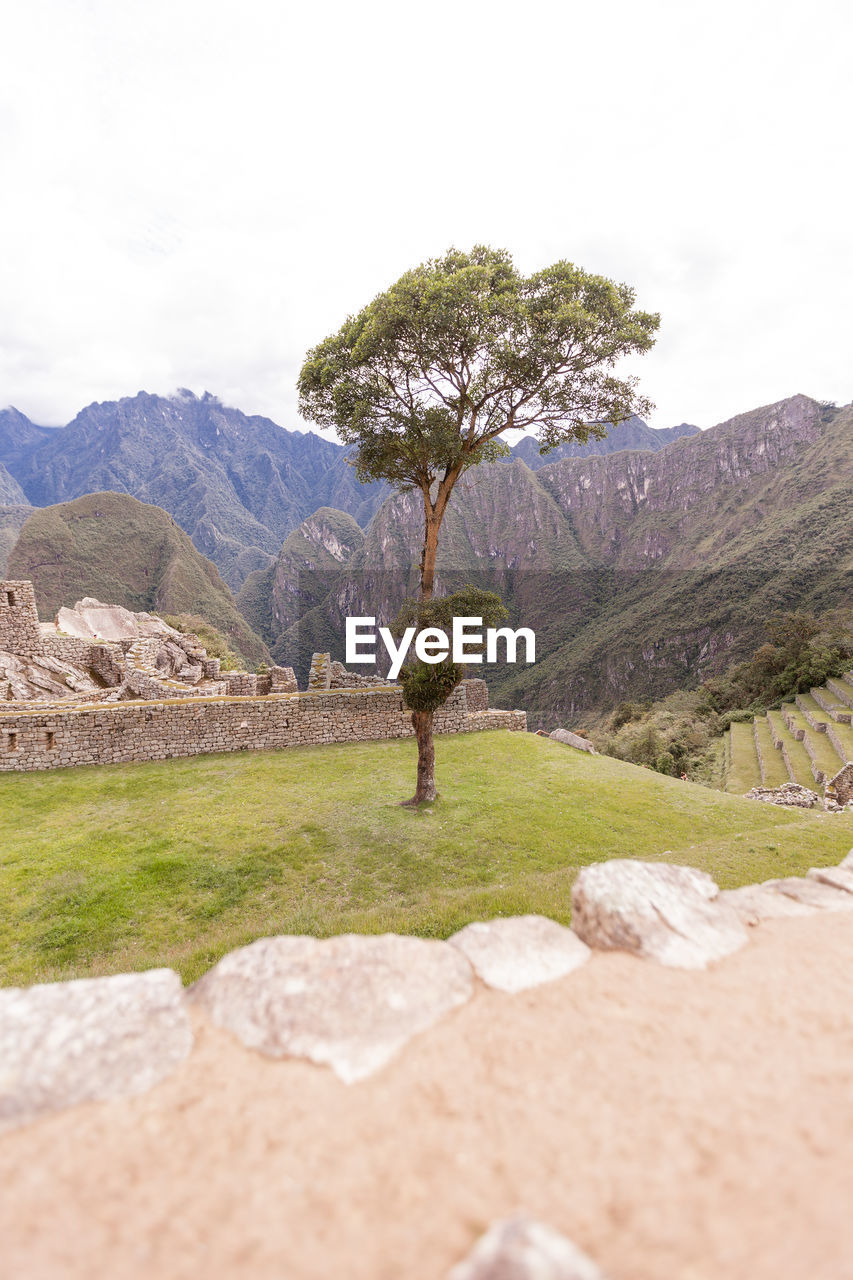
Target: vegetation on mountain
point(121, 551)
point(175, 863)
point(425, 380)
point(12, 520)
point(682, 733)
point(274, 599)
point(641, 573)
point(237, 484)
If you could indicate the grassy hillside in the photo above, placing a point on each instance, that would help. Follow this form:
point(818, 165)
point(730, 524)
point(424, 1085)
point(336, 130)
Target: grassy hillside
point(682, 732)
point(275, 598)
point(117, 868)
point(12, 520)
point(125, 552)
point(640, 572)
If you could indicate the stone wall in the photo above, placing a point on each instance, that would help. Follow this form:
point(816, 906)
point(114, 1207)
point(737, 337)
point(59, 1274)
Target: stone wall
point(19, 620)
point(68, 649)
point(122, 732)
point(477, 693)
point(842, 784)
point(341, 678)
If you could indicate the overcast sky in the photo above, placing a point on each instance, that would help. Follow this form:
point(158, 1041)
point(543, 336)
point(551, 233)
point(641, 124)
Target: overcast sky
point(195, 192)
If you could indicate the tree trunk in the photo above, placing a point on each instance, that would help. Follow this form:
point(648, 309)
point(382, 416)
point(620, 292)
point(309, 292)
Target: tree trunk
point(430, 550)
point(425, 791)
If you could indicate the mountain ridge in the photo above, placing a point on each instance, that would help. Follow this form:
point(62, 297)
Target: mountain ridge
point(757, 508)
point(238, 484)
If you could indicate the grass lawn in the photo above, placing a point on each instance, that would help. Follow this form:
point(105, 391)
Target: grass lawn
point(175, 863)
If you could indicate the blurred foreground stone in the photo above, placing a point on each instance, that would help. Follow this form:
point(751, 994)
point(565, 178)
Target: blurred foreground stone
point(349, 1002)
point(666, 913)
point(88, 1040)
point(521, 1249)
point(513, 953)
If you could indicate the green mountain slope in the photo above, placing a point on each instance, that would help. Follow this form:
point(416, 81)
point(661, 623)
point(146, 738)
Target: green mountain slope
point(125, 552)
point(237, 484)
point(641, 572)
point(12, 520)
point(272, 600)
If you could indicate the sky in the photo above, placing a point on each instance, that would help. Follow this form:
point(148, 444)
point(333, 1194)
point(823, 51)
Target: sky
point(195, 192)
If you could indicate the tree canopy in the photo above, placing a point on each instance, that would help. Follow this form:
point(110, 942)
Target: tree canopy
point(463, 348)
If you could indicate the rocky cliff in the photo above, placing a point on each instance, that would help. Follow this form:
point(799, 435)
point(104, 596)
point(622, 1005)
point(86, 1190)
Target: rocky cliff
point(237, 484)
point(639, 571)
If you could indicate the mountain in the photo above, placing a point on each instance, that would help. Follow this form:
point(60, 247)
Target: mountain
point(237, 485)
point(19, 438)
point(640, 572)
point(272, 600)
point(633, 434)
point(12, 520)
point(11, 493)
point(122, 551)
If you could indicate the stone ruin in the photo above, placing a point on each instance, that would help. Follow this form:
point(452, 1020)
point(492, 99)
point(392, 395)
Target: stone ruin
point(104, 685)
point(838, 794)
point(352, 1004)
point(98, 652)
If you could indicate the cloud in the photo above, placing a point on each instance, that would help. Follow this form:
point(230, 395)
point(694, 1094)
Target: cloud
point(194, 196)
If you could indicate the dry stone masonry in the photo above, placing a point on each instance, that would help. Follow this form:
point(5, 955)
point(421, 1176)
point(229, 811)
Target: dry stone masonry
point(521, 951)
point(670, 914)
point(88, 1040)
point(19, 620)
point(353, 1002)
point(112, 687)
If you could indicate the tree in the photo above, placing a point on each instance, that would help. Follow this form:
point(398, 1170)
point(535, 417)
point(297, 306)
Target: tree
point(428, 685)
point(425, 380)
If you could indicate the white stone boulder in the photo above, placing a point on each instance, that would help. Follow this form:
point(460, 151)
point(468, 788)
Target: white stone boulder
point(90, 619)
point(655, 910)
point(516, 952)
point(88, 1040)
point(523, 1249)
point(349, 1002)
point(573, 740)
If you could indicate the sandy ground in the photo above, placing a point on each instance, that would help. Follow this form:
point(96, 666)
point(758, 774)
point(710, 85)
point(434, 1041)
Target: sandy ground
point(678, 1126)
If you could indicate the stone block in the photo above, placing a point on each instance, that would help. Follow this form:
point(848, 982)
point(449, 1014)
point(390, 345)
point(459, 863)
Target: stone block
point(88, 1040)
point(349, 1002)
point(655, 910)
